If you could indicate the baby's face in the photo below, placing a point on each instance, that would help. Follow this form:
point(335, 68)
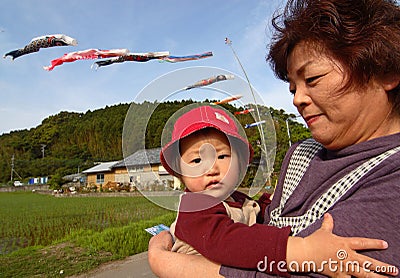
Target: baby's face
point(209, 164)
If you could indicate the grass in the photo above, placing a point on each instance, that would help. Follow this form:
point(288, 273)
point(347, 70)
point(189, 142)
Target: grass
point(44, 236)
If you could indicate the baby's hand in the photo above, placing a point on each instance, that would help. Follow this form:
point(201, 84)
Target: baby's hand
point(336, 256)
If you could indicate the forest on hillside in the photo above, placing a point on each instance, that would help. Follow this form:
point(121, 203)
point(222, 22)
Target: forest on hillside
point(70, 142)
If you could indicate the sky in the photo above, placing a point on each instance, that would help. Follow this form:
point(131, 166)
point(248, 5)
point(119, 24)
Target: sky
point(29, 94)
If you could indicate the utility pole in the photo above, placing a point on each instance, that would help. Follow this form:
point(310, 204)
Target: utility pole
point(12, 167)
point(43, 146)
point(288, 132)
point(288, 129)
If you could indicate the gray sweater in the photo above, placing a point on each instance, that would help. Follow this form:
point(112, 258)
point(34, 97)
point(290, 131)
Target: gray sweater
point(369, 209)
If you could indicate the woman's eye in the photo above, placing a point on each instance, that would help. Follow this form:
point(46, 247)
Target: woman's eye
point(292, 88)
point(312, 79)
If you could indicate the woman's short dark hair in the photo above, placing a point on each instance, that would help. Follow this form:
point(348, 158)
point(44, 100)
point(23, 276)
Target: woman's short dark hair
point(362, 35)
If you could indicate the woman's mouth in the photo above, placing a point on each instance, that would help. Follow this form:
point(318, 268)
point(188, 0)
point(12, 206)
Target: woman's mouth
point(311, 119)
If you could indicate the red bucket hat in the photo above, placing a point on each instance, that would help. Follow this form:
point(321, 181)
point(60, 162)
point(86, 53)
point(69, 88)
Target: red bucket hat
point(195, 120)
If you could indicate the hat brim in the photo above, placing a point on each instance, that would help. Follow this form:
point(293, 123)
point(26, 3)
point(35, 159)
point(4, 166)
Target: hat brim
point(172, 148)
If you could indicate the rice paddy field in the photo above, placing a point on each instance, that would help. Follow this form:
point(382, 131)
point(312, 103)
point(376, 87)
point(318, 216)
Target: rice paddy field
point(45, 236)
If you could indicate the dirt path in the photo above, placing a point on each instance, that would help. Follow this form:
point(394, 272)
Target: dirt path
point(135, 266)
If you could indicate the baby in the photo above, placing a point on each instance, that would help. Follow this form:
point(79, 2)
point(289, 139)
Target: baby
point(210, 157)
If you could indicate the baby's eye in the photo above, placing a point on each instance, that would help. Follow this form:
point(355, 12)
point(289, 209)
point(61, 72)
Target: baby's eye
point(223, 156)
point(196, 160)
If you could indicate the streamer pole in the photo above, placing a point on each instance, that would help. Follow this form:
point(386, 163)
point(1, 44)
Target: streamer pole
point(260, 129)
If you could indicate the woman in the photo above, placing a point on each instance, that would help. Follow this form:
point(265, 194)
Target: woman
point(342, 62)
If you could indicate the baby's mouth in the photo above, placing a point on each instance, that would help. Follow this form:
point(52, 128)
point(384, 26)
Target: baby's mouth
point(212, 184)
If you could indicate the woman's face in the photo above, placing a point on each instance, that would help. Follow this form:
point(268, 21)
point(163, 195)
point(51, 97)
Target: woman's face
point(336, 117)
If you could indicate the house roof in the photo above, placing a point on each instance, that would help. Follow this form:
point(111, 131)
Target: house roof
point(73, 176)
point(102, 167)
point(141, 157)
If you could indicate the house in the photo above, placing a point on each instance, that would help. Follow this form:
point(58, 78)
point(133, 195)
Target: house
point(141, 169)
point(100, 174)
point(144, 170)
point(74, 181)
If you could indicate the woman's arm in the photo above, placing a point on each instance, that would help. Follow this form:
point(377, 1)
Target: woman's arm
point(165, 263)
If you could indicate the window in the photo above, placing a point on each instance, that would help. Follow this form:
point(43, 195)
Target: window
point(135, 169)
point(100, 178)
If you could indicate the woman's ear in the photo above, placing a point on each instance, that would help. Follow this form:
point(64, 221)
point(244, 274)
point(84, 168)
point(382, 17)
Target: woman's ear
point(390, 82)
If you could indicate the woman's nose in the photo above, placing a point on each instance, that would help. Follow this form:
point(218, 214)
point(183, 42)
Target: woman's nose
point(301, 97)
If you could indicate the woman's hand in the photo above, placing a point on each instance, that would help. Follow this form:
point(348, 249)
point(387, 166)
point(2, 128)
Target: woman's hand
point(163, 241)
point(165, 263)
point(335, 256)
point(159, 245)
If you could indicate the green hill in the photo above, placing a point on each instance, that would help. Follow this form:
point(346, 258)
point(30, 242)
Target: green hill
point(70, 142)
